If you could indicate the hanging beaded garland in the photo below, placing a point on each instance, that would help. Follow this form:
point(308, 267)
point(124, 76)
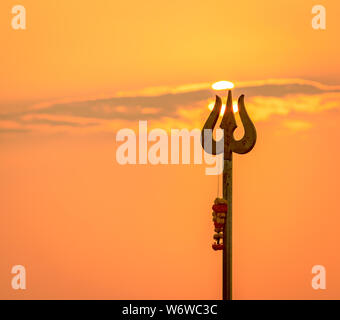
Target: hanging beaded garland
point(220, 209)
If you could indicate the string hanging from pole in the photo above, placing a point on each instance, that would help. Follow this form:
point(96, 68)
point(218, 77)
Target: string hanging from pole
point(218, 178)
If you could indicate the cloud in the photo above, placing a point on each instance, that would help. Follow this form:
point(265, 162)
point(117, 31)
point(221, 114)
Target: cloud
point(262, 108)
point(184, 105)
point(297, 125)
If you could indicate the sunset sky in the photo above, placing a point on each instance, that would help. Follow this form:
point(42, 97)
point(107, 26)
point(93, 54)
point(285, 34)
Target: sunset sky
point(86, 227)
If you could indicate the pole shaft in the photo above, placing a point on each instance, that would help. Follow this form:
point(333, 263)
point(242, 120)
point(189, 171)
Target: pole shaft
point(228, 239)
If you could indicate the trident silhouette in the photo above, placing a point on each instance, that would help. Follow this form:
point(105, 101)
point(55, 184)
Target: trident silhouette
point(228, 146)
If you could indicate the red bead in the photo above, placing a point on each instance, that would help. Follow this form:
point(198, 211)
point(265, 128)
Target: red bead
point(219, 225)
point(217, 247)
point(219, 208)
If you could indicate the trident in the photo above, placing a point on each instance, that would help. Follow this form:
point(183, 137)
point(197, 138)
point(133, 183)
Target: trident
point(227, 146)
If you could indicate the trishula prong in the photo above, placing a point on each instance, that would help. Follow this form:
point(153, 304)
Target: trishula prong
point(248, 141)
point(228, 145)
point(228, 124)
point(207, 131)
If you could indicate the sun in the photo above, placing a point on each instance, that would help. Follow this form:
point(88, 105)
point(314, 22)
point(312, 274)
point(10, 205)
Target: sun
point(222, 85)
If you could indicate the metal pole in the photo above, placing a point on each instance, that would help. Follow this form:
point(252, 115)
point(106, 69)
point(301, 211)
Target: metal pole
point(228, 236)
point(246, 144)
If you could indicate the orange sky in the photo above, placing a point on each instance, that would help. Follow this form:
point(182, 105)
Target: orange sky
point(86, 227)
point(74, 47)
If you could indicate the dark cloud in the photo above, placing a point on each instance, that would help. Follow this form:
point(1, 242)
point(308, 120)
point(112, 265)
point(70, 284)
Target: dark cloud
point(14, 130)
point(60, 123)
point(277, 90)
point(106, 108)
point(166, 104)
point(131, 108)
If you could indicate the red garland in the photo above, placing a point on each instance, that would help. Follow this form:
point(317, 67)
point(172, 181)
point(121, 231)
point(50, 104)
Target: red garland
point(220, 208)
